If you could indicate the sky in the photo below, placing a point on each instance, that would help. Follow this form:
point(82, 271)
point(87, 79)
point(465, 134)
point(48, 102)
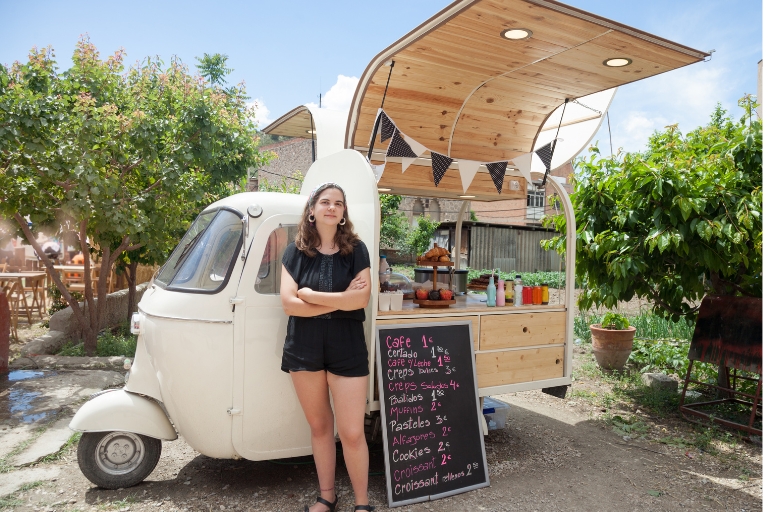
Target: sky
point(289, 52)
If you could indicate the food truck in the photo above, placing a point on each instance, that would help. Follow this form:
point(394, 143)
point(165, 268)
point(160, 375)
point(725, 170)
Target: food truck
point(477, 104)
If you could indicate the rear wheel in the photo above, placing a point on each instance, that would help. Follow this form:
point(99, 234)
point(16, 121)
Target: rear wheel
point(115, 460)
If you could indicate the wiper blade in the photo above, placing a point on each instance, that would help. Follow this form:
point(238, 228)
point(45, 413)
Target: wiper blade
point(187, 248)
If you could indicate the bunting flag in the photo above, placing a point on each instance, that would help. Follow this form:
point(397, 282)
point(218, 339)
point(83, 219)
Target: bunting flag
point(440, 164)
point(497, 171)
point(387, 127)
point(545, 154)
point(417, 148)
point(378, 170)
point(398, 146)
point(467, 170)
point(523, 164)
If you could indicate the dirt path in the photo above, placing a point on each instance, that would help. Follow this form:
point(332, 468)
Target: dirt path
point(553, 455)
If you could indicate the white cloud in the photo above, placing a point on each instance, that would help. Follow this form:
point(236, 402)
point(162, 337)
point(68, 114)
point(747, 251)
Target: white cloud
point(685, 97)
point(260, 113)
point(339, 96)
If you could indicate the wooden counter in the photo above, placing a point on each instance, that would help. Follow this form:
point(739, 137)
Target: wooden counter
point(471, 303)
point(513, 345)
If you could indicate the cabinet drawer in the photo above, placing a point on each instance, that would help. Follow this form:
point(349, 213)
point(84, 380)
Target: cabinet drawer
point(522, 330)
point(513, 366)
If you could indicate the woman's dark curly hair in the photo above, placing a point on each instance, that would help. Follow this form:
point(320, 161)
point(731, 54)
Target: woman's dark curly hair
point(308, 239)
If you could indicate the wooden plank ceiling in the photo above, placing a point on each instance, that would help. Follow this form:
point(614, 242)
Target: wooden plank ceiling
point(461, 89)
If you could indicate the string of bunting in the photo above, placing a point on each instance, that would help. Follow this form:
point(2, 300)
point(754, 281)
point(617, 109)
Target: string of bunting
point(404, 147)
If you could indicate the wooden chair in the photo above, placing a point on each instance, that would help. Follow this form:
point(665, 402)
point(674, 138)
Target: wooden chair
point(34, 290)
point(14, 294)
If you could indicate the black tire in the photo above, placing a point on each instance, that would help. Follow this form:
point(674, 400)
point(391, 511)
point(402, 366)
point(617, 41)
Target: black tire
point(115, 460)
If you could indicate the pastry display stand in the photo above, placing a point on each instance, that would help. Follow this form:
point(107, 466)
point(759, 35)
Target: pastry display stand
point(426, 303)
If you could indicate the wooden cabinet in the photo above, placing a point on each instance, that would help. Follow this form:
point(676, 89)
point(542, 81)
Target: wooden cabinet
point(515, 366)
point(522, 330)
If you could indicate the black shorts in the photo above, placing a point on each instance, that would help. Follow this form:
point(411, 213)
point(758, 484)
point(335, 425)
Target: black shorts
point(336, 345)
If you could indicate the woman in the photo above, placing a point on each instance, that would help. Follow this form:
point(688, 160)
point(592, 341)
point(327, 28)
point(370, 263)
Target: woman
point(325, 285)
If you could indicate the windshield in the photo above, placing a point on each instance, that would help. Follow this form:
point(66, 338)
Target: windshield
point(204, 258)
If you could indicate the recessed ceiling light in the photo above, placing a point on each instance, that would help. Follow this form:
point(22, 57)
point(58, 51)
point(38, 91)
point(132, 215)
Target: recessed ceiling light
point(311, 132)
point(617, 62)
point(385, 190)
point(516, 34)
point(467, 197)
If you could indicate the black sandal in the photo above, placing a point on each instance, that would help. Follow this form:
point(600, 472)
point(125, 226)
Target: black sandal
point(331, 506)
point(370, 508)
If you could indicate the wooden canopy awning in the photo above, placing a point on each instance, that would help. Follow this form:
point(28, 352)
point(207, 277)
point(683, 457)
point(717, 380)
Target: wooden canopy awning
point(462, 89)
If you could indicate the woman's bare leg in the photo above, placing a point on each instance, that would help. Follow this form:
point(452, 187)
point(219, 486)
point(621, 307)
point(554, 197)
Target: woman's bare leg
point(349, 405)
point(312, 390)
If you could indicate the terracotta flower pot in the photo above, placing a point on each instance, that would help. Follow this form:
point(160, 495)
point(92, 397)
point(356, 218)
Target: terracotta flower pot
point(612, 346)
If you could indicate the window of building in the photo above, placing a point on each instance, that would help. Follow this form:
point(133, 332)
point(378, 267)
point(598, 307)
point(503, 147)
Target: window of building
point(534, 203)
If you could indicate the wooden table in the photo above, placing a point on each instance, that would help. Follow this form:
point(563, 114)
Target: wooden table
point(72, 276)
point(14, 283)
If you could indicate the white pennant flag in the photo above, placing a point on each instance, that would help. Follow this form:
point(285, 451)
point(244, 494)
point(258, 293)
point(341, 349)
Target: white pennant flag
point(417, 148)
point(467, 170)
point(523, 164)
point(407, 162)
point(378, 170)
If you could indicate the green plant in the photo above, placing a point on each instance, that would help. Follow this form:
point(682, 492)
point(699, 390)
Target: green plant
point(614, 321)
point(551, 279)
point(124, 157)
point(394, 224)
point(287, 184)
point(420, 237)
point(672, 223)
point(107, 344)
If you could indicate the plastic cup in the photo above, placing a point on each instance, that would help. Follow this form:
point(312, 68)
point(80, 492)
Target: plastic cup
point(396, 301)
point(385, 301)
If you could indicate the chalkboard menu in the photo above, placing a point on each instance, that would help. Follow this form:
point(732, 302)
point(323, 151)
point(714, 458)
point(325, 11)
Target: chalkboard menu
point(433, 438)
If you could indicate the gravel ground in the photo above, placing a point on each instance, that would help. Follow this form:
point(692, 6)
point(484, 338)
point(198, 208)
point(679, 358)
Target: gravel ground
point(553, 455)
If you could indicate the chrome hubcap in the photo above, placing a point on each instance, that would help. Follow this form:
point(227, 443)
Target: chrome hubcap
point(119, 453)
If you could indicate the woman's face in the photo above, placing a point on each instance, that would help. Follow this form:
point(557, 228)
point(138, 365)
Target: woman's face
point(329, 207)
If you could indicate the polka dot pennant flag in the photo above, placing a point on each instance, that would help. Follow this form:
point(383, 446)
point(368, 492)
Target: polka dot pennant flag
point(387, 127)
point(497, 171)
point(398, 146)
point(440, 164)
point(545, 154)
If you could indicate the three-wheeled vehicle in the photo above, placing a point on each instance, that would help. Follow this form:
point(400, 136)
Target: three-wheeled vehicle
point(483, 81)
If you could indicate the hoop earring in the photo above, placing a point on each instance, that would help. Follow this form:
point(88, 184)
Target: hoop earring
point(311, 218)
point(343, 221)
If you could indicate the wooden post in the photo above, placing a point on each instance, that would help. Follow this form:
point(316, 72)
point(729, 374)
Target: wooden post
point(5, 332)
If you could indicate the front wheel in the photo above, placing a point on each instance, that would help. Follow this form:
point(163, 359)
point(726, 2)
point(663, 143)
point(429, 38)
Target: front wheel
point(115, 460)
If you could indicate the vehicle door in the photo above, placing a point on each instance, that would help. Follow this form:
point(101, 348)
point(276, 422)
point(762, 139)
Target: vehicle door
point(268, 420)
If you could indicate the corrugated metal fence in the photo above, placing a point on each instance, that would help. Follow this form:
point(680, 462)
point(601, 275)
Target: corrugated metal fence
point(511, 249)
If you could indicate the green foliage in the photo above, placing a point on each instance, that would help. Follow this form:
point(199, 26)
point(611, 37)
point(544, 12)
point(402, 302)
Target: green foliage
point(394, 225)
point(551, 279)
point(213, 68)
point(672, 223)
point(420, 237)
point(287, 184)
point(614, 321)
point(127, 157)
point(107, 344)
point(57, 302)
point(472, 215)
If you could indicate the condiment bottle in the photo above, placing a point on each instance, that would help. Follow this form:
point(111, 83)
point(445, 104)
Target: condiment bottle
point(491, 293)
point(537, 295)
point(518, 290)
point(500, 291)
point(545, 294)
point(509, 292)
point(383, 269)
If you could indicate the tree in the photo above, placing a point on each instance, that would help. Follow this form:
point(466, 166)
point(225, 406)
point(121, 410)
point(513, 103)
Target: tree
point(214, 68)
point(394, 225)
point(673, 223)
point(420, 236)
point(123, 158)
